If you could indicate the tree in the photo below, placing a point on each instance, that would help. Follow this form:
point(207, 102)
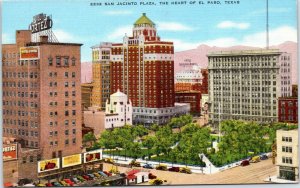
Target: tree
point(136, 149)
point(89, 137)
point(149, 143)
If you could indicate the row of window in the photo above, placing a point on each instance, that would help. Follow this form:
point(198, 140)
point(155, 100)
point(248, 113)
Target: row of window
point(287, 160)
point(287, 139)
point(33, 124)
point(55, 143)
point(21, 132)
point(53, 114)
point(61, 61)
point(287, 149)
point(31, 158)
point(73, 122)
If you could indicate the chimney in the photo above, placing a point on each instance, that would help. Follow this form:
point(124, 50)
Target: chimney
point(44, 38)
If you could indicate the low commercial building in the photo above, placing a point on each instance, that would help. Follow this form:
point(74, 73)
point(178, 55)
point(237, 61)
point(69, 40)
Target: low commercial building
point(191, 97)
point(117, 114)
point(288, 109)
point(287, 155)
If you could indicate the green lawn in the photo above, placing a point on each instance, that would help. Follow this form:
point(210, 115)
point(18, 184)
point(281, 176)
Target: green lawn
point(144, 152)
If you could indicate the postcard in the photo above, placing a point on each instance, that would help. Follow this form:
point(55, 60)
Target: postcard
point(149, 92)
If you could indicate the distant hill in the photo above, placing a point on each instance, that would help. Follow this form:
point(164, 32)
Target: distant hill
point(86, 72)
point(198, 56)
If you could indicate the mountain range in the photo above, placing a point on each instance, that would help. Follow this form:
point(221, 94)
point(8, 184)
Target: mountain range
point(199, 57)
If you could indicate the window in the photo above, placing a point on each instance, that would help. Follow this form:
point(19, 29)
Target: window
point(73, 84)
point(66, 132)
point(53, 154)
point(66, 61)
point(50, 61)
point(73, 74)
point(39, 157)
point(66, 74)
point(66, 122)
point(74, 131)
point(24, 159)
point(58, 62)
point(74, 140)
point(73, 93)
point(66, 103)
point(74, 112)
point(31, 159)
point(66, 84)
point(73, 103)
point(73, 61)
point(66, 113)
point(67, 142)
point(66, 94)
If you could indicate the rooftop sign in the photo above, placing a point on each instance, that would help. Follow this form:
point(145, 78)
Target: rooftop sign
point(41, 22)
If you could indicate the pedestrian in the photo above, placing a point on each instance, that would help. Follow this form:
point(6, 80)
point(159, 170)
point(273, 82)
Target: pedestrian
point(269, 178)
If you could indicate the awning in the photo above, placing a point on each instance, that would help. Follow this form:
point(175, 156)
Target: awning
point(132, 172)
point(8, 184)
point(131, 177)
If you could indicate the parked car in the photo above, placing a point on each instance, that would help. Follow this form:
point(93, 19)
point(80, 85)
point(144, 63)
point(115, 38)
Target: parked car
point(86, 177)
point(185, 170)
point(109, 160)
point(149, 166)
point(174, 169)
point(161, 167)
point(49, 185)
point(156, 182)
point(41, 185)
point(107, 173)
point(135, 163)
point(97, 175)
point(92, 176)
point(56, 184)
point(255, 159)
point(152, 176)
point(264, 157)
point(102, 173)
point(245, 163)
point(69, 182)
point(64, 183)
point(75, 180)
point(80, 178)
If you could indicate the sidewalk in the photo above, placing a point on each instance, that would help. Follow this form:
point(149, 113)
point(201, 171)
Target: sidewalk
point(275, 179)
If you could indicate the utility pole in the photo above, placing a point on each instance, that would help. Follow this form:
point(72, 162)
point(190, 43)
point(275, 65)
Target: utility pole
point(267, 25)
point(219, 122)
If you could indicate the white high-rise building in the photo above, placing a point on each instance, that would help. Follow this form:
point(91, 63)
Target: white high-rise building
point(246, 85)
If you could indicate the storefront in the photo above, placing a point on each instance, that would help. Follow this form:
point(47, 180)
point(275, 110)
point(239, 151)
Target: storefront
point(288, 173)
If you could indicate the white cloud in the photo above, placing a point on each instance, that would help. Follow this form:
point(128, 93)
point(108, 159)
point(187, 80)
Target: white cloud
point(64, 36)
point(277, 36)
point(271, 10)
point(231, 24)
point(120, 32)
point(117, 12)
point(172, 26)
point(7, 39)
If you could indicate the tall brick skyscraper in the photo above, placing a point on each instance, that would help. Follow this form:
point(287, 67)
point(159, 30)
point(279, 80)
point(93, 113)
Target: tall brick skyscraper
point(142, 67)
point(41, 94)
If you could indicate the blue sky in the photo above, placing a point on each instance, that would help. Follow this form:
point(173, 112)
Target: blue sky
point(187, 25)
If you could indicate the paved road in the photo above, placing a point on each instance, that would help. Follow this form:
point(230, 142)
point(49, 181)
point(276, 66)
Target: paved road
point(254, 173)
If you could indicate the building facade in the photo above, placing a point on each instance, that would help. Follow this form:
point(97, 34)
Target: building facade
point(142, 67)
point(285, 74)
point(101, 74)
point(191, 97)
point(118, 111)
point(287, 155)
point(86, 94)
point(246, 85)
point(288, 109)
point(41, 94)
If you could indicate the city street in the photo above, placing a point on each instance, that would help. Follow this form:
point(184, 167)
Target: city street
point(254, 173)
